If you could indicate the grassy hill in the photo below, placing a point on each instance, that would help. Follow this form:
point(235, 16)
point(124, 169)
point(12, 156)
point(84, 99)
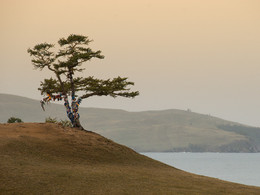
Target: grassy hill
point(156, 131)
point(49, 159)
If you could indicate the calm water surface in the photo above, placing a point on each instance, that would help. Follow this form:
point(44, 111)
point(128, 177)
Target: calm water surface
point(241, 168)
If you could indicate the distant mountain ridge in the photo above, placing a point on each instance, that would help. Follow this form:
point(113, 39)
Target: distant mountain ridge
point(148, 131)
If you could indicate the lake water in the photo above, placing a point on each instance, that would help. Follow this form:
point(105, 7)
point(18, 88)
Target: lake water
point(241, 168)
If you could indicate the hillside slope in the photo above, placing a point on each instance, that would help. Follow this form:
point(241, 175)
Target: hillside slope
point(156, 131)
point(49, 159)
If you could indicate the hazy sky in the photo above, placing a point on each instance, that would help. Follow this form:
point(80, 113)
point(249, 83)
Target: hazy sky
point(198, 54)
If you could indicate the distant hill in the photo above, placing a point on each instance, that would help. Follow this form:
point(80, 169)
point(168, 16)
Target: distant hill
point(149, 131)
point(49, 159)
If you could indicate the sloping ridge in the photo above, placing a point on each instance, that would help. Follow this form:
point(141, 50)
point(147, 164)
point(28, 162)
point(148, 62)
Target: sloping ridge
point(48, 159)
point(150, 131)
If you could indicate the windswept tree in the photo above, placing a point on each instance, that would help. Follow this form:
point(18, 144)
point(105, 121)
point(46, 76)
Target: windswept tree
point(65, 62)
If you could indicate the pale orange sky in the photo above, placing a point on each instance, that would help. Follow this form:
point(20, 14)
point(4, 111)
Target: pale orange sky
point(197, 54)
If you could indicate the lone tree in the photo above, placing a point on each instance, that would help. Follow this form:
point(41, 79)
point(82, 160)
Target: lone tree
point(65, 62)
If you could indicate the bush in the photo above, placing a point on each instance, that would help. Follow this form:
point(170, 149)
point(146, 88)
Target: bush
point(51, 120)
point(14, 120)
point(63, 123)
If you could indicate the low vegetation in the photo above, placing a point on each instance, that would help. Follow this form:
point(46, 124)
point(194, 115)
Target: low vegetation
point(63, 123)
point(14, 120)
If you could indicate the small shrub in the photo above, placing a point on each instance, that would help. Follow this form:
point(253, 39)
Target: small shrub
point(51, 120)
point(14, 120)
point(63, 123)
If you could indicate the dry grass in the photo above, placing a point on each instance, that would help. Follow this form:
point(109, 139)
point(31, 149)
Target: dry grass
point(48, 159)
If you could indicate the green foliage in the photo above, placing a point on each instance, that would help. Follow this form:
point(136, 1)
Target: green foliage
point(63, 123)
point(73, 52)
point(14, 120)
point(51, 120)
point(78, 39)
point(52, 86)
point(91, 86)
point(43, 56)
point(110, 87)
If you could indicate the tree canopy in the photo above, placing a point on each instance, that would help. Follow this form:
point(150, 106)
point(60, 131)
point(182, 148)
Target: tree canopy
point(65, 62)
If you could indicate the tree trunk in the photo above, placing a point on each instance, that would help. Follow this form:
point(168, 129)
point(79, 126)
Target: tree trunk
point(77, 124)
point(72, 84)
point(72, 112)
point(75, 121)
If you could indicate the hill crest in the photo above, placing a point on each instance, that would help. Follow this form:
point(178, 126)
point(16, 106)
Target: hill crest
point(48, 159)
point(147, 131)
